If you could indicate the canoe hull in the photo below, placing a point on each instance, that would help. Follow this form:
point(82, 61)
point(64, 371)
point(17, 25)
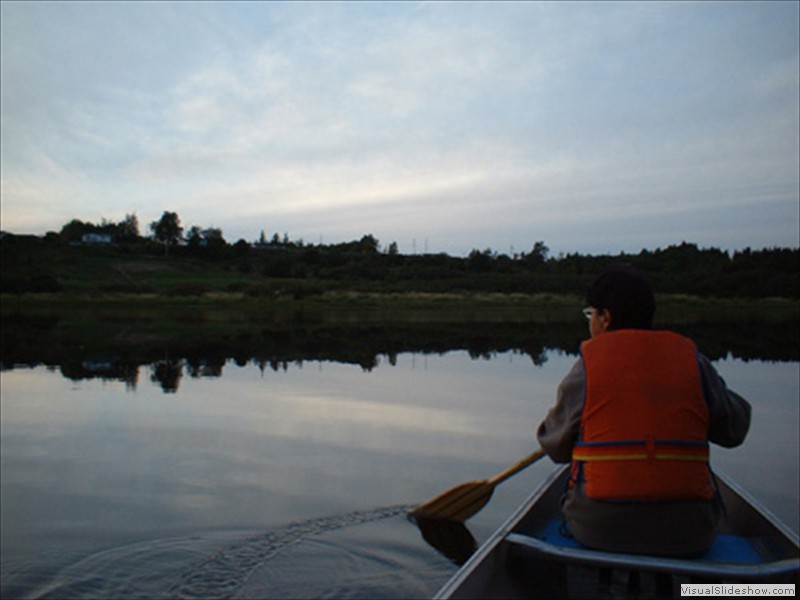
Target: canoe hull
point(518, 561)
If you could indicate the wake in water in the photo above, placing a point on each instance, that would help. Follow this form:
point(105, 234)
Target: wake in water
point(172, 567)
point(226, 572)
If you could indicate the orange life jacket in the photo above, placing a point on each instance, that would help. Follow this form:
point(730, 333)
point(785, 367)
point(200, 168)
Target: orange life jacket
point(644, 428)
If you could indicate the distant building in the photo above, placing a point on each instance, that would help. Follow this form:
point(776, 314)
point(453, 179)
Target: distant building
point(97, 239)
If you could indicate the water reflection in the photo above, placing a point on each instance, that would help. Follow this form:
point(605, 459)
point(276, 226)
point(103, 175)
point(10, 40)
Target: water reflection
point(168, 373)
point(275, 484)
point(115, 346)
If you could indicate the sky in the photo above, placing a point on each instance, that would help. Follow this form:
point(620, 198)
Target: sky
point(442, 126)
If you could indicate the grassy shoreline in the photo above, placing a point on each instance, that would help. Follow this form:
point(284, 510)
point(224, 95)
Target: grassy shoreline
point(358, 327)
point(672, 305)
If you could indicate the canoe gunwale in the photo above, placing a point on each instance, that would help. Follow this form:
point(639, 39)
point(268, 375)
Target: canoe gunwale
point(478, 565)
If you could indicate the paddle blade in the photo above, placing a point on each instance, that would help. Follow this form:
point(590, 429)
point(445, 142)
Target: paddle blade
point(458, 504)
point(450, 538)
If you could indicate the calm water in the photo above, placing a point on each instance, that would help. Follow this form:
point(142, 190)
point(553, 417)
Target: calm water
point(245, 481)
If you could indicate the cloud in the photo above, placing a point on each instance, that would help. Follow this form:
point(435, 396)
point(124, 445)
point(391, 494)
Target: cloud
point(479, 124)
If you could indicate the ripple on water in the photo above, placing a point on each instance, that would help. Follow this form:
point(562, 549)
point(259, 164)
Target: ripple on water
point(138, 570)
point(285, 562)
point(353, 562)
point(295, 561)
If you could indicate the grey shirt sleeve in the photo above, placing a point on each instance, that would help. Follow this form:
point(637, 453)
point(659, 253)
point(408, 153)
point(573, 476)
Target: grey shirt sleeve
point(558, 432)
point(729, 413)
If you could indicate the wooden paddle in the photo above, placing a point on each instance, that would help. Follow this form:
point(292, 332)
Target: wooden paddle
point(463, 501)
point(450, 538)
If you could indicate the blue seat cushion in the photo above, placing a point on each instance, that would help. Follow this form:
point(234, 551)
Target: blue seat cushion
point(726, 548)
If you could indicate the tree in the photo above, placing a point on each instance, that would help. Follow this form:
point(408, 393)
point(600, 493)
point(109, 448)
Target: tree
point(213, 236)
point(537, 256)
point(214, 242)
point(129, 228)
point(168, 230)
point(481, 261)
point(74, 230)
point(368, 244)
point(241, 248)
point(209, 239)
point(194, 236)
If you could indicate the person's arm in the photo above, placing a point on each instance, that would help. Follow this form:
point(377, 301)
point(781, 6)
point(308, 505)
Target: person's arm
point(729, 413)
point(558, 432)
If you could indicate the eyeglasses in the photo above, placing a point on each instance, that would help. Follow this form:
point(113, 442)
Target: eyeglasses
point(587, 312)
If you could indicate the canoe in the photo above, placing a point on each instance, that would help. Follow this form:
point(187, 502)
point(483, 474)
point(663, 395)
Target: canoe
point(529, 557)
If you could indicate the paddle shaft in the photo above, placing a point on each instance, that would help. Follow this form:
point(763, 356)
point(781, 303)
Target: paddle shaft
point(525, 462)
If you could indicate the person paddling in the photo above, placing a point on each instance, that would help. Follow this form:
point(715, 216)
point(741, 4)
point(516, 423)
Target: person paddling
point(634, 416)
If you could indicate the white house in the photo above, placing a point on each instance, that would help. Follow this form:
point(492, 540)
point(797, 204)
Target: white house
point(94, 239)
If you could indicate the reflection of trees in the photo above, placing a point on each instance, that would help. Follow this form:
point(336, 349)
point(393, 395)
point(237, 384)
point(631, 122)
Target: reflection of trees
point(106, 370)
point(275, 365)
point(777, 342)
point(168, 373)
point(208, 367)
point(539, 358)
point(83, 353)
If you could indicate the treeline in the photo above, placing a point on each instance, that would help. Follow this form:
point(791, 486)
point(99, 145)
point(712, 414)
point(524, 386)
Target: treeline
point(365, 264)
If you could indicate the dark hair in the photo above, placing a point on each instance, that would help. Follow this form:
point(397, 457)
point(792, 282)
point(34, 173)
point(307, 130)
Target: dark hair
point(627, 295)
